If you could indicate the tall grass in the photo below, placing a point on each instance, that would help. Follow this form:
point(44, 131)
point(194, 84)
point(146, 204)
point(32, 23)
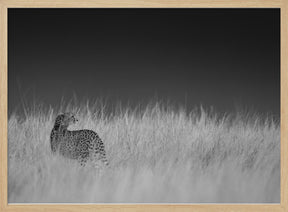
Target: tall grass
point(157, 154)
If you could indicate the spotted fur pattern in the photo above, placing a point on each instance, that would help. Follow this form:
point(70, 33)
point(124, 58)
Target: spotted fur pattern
point(79, 144)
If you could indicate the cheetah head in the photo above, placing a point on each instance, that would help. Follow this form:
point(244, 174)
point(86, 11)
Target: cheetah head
point(65, 119)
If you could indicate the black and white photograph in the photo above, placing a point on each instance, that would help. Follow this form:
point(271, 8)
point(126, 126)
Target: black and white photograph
point(143, 105)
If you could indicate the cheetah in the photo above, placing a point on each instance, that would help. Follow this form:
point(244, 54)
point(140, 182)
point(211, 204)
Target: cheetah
point(79, 144)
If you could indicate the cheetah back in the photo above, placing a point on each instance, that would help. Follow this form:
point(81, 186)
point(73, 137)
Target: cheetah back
point(80, 143)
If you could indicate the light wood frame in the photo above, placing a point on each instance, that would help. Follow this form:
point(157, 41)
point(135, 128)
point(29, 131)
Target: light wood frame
point(5, 4)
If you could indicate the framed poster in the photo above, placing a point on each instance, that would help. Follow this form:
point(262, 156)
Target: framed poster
point(141, 106)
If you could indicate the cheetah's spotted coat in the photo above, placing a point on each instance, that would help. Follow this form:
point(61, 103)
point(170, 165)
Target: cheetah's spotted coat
point(80, 144)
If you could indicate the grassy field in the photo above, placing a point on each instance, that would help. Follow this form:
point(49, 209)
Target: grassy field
point(157, 154)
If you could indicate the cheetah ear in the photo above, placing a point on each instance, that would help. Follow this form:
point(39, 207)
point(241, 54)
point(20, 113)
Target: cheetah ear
point(59, 119)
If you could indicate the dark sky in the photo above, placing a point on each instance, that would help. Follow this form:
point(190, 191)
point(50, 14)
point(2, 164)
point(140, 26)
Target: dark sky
point(213, 57)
